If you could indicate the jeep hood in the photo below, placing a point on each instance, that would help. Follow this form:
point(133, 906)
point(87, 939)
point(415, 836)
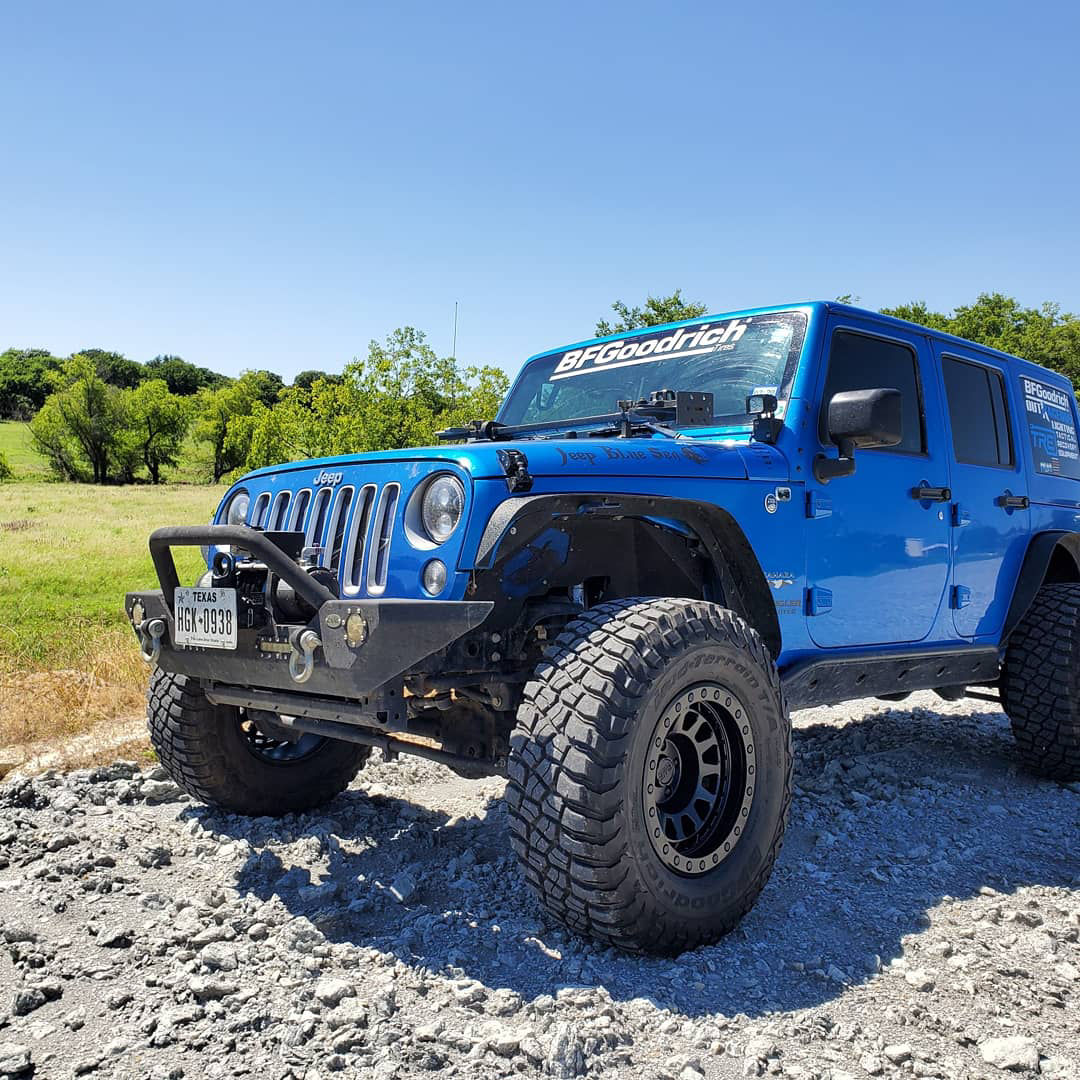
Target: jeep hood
point(735, 459)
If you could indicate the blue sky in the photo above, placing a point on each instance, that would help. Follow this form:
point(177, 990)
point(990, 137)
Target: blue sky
point(272, 185)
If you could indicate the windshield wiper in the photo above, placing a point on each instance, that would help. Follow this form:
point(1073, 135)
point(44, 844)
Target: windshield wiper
point(683, 408)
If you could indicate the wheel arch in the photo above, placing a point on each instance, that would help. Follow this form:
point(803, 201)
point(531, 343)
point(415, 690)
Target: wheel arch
point(513, 541)
point(1052, 558)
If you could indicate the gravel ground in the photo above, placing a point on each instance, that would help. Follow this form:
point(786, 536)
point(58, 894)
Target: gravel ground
point(923, 920)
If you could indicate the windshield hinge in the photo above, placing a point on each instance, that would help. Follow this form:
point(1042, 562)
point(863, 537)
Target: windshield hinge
point(516, 466)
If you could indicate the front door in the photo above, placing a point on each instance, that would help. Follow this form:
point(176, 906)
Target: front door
point(878, 541)
point(990, 519)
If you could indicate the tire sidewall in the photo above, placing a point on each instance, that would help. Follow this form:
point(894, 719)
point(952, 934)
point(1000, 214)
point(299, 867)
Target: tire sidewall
point(719, 894)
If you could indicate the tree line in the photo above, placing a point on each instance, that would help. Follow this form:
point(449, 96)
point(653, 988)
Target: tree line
point(99, 417)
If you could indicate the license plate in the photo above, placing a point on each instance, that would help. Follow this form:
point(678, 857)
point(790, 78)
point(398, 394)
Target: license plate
point(205, 617)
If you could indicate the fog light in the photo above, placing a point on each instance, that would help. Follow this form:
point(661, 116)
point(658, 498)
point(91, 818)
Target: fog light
point(435, 577)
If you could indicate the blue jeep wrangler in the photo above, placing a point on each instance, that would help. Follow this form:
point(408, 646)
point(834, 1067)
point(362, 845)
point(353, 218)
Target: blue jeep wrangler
point(613, 593)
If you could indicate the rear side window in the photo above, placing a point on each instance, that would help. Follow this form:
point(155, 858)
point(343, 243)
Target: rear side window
point(977, 412)
point(1051, 427)
point(860, 362)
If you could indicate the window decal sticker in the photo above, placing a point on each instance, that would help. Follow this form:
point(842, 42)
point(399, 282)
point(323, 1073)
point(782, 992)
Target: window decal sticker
point(1052, 428)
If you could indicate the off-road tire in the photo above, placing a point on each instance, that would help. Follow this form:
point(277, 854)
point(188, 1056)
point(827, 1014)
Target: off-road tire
point(1040, 683)
point(203, 749)
point(582, 739)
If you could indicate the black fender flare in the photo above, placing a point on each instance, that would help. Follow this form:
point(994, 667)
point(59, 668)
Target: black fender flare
point(518, 520)
point(1040, 553)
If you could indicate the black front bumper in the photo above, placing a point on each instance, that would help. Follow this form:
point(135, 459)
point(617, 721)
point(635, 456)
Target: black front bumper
point(365, 646)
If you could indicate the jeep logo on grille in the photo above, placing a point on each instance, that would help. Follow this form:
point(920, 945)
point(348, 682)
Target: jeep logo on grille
point(327, 479)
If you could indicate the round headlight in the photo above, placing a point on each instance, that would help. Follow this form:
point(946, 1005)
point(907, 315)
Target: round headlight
point(443, 505)
point(238, 509)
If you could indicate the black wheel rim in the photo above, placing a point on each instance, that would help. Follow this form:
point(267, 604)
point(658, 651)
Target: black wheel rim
point(277, 751)
point(699, 778)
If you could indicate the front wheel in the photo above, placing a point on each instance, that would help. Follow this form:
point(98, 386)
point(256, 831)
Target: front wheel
point(650, 774)
point(221, 757)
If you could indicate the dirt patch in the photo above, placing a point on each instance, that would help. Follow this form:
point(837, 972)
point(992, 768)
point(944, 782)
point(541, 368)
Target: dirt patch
point(38, 706)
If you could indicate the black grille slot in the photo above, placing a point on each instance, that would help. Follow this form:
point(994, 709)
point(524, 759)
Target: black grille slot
point(379, 560)
point(352, 573)
point(300, 507)
point(258, 514)
point(281, 508)
point(318, 517)
point(337, 526)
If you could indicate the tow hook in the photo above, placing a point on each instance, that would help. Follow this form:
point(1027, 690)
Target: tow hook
point(150, 635)
point(302, 657)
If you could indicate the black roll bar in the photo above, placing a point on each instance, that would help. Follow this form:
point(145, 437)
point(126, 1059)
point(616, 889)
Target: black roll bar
point(261, 545)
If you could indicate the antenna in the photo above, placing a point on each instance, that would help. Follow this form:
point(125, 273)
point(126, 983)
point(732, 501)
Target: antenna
point(453, 347)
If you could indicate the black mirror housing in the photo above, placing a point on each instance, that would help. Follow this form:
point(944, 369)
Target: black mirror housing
point(865, 419)
point(860, 419)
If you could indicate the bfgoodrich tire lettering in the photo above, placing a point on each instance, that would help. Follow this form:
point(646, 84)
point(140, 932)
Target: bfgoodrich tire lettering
point(204, 749)
point(581, 748)
point(1040, 683)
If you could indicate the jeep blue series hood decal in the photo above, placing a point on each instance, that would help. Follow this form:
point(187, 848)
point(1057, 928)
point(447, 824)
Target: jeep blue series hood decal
point(656, 456)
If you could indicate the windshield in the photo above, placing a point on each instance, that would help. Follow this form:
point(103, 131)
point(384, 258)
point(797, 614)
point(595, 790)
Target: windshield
point(729, 358)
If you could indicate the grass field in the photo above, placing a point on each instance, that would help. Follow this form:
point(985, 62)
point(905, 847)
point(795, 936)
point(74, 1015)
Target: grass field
point(68, 553)
point(17, 447)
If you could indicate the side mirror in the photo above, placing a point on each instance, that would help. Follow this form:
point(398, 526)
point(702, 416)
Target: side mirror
point(860, 419)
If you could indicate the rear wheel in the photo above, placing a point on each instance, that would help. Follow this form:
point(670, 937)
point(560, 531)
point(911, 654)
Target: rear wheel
point(221, 756)
point(650, 774)
point(1040, 683)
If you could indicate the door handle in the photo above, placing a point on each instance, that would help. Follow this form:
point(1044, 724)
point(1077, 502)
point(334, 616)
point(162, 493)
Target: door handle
point(1014, 502)
point(932, 494)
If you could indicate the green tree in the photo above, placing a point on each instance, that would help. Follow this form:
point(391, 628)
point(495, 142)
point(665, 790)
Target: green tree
point(267, 385)
point(215, 411)
point(157, 422)
point(5, 468)
point(1044, 335)
point(24, 381)
point(115, 368)
point(306, 379)
point(182, 377)
point(657, 311)
point(400, 394)
point(80, 428)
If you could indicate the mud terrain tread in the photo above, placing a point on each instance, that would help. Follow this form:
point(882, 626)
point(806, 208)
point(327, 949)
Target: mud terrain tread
point(194, 742)
point(566, 768)
point(1040, 683)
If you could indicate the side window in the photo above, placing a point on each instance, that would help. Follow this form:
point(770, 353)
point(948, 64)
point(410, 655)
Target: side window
point(860, 362)
point(980, 420)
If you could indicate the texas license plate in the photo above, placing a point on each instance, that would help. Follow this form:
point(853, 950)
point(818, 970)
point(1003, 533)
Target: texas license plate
point(206, 617)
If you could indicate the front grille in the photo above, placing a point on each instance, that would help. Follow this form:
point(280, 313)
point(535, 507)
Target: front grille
point(351, 528)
